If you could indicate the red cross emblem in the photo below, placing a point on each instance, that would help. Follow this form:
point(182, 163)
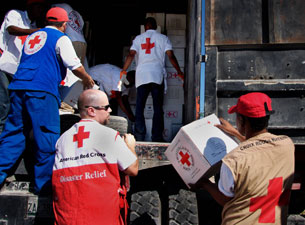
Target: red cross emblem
point(147, 46)
point(80, 136)
point(22, 38)
point(267, 203)
point(34, 41)
point(171, 114)
point(185, 158)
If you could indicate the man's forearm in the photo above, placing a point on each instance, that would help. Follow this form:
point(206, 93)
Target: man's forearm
point(212, 188)
point(17, 31)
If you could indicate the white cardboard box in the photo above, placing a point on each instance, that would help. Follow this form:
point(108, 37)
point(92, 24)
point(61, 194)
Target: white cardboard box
point(148, 111)
point(174, 95)
point(178, 41)
point(71, 96)
point(143, 29)
point(173, 112)
point(172, 77)
point(180, 55)
point(175, 32)
point(198, 148)
point(160, 19)
point(175, 21)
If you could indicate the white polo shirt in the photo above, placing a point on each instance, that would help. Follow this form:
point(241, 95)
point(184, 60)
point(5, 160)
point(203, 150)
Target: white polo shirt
point(108, 76)
point(75, 25)
point(65, 49)
point(151, 48)
point(11, 44)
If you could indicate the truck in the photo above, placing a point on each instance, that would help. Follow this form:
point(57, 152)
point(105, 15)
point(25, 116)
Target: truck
point(231, 47)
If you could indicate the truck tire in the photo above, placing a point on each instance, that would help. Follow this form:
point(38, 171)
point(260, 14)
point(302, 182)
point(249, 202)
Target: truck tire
point(145, 208)
point(118, 123)
point(183, 209)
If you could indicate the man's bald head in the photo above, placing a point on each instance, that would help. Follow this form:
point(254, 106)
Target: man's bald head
point(91, 103)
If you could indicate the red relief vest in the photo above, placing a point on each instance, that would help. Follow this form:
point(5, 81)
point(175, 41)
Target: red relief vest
point(86, 181)
point(263, 169)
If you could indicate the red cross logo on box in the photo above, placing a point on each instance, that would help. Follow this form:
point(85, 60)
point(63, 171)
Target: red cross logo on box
point(35, 42)
point(172, 75)
point(147, 46)
point(185, 158)
point(171, 114)
point(267, 204)
point(80, 136)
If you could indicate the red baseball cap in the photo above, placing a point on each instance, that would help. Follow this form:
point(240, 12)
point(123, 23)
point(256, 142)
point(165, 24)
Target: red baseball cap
point(253, 105)
point(57, 14)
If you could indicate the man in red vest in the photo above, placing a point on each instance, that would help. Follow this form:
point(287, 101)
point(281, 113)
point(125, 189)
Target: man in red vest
point(89, 156)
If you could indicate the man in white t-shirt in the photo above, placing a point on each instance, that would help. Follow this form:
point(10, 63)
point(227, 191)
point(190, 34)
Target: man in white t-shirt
point(16, 26)
point(89, 156)
point(150, 49)
point(108, 77)
point(75, 30)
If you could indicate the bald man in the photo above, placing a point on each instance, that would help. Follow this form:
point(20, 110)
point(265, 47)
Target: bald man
point(86, 181)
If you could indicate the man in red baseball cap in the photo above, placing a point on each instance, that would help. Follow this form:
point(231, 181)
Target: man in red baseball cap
point(256, 177)
point(46, 55)
point(57, 14)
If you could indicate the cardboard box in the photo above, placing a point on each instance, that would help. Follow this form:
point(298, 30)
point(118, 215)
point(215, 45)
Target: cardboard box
point(198, 148)
point(148, 111)
point(175, 21)
point(148, 123)
point(160, 19)
point(71, 95)
point(172, 77)
point(174, 95)
point(173, 112)
point(175, 32)
point(143, 29)
point(170, 129)
point(178, 41)
point(180, 55)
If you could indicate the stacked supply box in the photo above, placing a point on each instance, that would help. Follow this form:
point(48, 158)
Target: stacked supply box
point(174, 26)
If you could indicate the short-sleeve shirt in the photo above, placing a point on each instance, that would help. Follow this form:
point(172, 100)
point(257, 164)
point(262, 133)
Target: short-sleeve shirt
point(86, 174)
point(75, 25)
point(108, 76)
point(11, 45)
point(151, 48)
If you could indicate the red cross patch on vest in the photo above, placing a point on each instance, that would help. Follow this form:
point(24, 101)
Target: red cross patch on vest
point(35, 42)
point(275, 197)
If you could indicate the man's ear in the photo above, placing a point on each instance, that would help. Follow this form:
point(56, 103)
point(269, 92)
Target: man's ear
point(91, 112)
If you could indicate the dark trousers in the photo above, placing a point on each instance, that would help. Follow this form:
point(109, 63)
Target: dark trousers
point(4, 98)
point(157, 92)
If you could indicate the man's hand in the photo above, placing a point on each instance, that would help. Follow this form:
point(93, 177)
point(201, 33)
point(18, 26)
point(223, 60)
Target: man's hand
point(130, 142)
point(123, 80)
point(88, 82)
point(229, 129)
point(181, 76)
point(81, 73)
